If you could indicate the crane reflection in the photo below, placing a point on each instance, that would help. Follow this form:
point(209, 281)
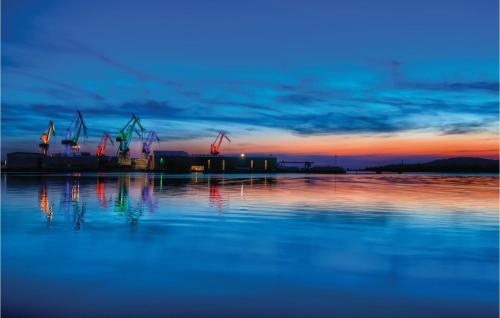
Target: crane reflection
point(215, 198)
point(70, 194)
point(78, 214)
point(70, 202)
point(147, 193)
point(100, 192)
point(123, 205)
point(45, 206)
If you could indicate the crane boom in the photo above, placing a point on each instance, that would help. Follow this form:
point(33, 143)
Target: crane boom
point(47, 133)
point(101, 147)
point(73, 134)
point(215, 146)
point(125, 134)
point(146, 145)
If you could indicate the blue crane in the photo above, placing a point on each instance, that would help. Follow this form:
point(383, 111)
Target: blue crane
point(73, 134)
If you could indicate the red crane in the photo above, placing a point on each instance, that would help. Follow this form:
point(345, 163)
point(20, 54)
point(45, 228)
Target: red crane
point(215, 146)
point(101, 147)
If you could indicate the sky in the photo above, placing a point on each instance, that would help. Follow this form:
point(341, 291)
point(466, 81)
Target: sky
point(370, 82)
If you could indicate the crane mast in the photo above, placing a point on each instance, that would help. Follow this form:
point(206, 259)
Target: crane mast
point(47, 133)
point(101, 147)
point(215, 146)
point(146, 145)
point(125, 136)
point(73, 134)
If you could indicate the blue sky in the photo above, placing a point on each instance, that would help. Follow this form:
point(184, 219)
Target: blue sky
point(294, 77)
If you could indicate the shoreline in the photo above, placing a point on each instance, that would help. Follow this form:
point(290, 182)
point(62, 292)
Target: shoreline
point(273, 173)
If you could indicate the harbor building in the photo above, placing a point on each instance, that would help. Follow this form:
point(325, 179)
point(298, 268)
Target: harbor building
point(180, 161)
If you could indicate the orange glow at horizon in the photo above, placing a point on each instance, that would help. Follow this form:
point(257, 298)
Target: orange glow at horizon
point(417, 144)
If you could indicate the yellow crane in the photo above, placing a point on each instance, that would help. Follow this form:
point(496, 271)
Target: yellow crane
point(47, 133)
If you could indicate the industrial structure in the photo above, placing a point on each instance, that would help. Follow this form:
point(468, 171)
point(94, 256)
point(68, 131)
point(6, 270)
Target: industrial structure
point(179, 161)
point(101, 147)
point(215, 146)
point(124, 138)
point(73, 134)
point(160, 160)
point(47, 133)
point(146, 145)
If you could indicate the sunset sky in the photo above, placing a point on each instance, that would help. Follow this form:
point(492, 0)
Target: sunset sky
point(374, 81)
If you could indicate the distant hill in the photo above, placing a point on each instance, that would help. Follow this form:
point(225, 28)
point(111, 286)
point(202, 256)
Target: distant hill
point(459, 164)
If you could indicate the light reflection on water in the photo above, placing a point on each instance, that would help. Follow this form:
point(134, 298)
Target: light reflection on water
point(303, 245)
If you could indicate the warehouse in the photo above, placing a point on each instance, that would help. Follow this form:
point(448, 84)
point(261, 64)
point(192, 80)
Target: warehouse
point(180, 161)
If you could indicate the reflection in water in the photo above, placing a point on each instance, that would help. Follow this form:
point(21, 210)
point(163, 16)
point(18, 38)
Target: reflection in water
point(75, 192)
point(123, 206)
point(70, 194)
point(354, 193)
point(133, 215)
point(215, 197)
point(100, 192)
point(148, 193)
point(70, 202)
point(122, 203)
point(363, 245)
point(78, 213)
point(45, 205)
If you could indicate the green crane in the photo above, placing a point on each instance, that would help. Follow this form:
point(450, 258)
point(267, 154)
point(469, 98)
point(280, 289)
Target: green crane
point(125, 135)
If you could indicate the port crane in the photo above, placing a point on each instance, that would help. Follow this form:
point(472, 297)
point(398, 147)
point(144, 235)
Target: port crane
point(125, 135)
point(215, 146)
point(101, 147)
point(73, 134)
point(47, 133)
point(146, 145)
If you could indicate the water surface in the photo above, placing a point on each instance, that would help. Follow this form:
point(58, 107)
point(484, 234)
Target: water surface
point(119, 245)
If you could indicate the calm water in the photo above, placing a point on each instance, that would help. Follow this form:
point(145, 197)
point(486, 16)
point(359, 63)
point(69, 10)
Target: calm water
point(288, 245)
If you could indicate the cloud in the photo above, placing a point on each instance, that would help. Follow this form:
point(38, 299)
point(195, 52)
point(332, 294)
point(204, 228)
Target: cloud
point(401, 81)
point(490, 86)
point(66, 45)
point(369, 115)
point(150, 108)
point(298, 99)
point(463, 128)
point(136, 73)
point(239, 104)
point(62, 90)
point(325, 113)
point(304, 107)
point(359, 117)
